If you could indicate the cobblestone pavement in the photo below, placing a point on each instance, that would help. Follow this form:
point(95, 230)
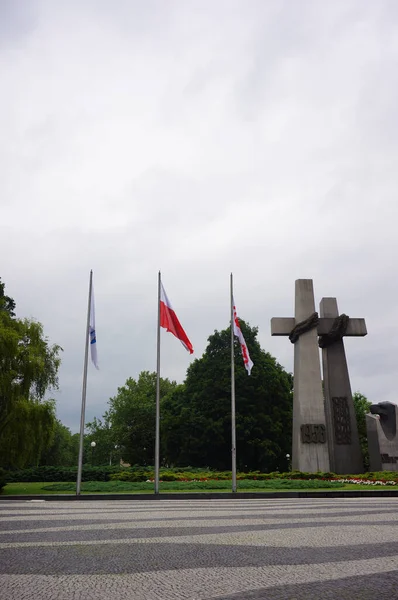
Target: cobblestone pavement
point(293, 549)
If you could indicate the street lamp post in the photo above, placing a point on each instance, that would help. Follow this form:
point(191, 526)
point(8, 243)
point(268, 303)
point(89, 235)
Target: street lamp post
point(288, 461)
point(93, 445)
point(110, 456)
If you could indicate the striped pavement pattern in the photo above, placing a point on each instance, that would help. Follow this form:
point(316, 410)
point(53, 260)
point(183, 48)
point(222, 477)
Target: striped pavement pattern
point(271, 549)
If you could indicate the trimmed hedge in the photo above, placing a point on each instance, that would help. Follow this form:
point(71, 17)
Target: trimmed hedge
point(211, 485)
point(134, 475)
point(137, 474)
point(52, 474)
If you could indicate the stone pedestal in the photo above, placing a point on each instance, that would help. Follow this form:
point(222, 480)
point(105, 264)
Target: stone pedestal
point(382, 429)
point(344, 448)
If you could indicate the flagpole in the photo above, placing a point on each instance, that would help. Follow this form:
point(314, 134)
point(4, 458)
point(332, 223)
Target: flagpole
point(233, 430)
point(157, 429)
point(84, 391)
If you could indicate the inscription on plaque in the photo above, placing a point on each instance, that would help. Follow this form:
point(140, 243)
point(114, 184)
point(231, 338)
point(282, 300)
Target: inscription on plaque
point(341, 420)
point(386, 458)
point(313, 434)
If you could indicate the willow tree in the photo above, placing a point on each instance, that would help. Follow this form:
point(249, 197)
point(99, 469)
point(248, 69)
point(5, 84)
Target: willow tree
point(28, 370)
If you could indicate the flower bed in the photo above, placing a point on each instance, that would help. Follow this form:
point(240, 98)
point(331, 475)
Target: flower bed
point(368, 481)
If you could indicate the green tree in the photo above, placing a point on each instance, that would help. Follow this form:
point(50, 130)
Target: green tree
point(132, 417)
point(28, 369)
point(362, 406)
point(106, 449)
point(6, 303)
point(64, 448)
point(196, 424)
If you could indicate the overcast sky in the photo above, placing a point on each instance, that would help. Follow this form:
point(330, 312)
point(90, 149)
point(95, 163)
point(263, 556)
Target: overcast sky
point(198, 137)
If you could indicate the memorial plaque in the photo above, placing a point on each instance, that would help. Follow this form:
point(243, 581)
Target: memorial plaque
point(341, 419)
point(313, 434)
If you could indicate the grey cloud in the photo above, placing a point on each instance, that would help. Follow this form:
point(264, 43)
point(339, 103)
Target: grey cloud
point(199, 139)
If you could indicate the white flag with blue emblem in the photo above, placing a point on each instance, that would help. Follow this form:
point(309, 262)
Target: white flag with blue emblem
point(93, 335)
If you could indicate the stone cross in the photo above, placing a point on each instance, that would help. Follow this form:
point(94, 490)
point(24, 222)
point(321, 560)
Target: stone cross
point(341, 424)
point(313, 447)
point(310, 446)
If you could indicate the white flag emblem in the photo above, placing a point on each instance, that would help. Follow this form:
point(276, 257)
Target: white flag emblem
point(92, 332)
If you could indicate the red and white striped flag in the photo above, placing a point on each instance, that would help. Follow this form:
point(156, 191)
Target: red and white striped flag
point(238, 332)
point(169, 320)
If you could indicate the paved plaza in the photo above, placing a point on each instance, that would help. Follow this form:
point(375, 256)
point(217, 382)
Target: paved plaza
point(289, 549)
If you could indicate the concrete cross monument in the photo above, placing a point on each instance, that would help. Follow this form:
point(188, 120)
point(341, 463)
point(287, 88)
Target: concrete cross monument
point(310, 447)
point(313, 448)
point(341, 423)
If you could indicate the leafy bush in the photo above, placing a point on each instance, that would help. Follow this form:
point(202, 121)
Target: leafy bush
point(256, 475)
point(136, 475)
point(167, 476)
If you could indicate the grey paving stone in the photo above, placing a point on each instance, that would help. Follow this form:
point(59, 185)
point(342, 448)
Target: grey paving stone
point(367, 587)
point(94, 532)
point(199, 550)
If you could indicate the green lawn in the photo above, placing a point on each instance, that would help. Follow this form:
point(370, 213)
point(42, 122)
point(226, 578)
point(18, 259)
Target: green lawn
point(125, 487)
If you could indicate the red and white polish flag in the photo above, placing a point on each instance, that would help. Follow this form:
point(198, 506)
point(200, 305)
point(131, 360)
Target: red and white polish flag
point(170, 322)
point(238, 332)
